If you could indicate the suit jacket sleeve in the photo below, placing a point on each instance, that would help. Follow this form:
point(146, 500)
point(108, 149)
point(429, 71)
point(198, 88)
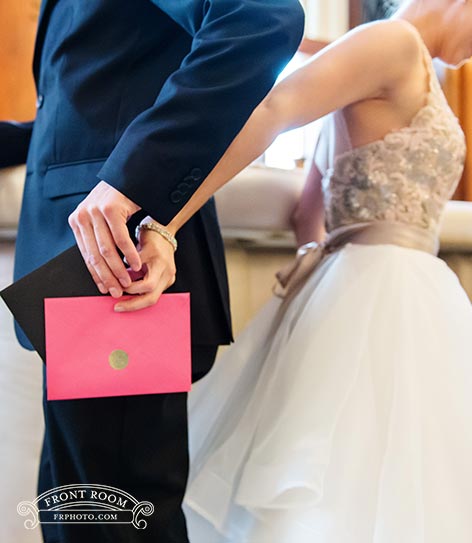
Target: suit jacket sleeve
point(238, 49)
point(14, 142)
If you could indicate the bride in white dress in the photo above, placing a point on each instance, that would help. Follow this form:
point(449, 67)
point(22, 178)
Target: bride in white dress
point(343, 414)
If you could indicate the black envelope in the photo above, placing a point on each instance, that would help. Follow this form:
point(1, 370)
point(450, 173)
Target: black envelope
point(63, 276)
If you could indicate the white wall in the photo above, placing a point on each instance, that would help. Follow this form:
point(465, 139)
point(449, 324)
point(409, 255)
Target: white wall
point(326, 20)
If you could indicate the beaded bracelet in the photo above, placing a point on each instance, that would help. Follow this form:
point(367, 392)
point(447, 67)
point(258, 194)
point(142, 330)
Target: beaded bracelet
point(159, 230)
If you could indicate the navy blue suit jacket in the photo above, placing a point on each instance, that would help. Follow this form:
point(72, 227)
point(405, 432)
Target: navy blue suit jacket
point(147, 95)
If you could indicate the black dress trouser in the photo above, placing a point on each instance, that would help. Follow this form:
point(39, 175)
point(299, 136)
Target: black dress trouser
point(138, 444)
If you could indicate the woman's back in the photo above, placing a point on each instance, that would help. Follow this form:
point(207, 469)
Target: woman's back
point(407, 176)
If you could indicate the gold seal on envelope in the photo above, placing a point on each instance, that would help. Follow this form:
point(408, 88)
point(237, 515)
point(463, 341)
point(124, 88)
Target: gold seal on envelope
point(118, 359)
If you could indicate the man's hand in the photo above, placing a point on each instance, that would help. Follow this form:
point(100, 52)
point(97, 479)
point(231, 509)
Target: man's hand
point(158, 272)
point(99, 226)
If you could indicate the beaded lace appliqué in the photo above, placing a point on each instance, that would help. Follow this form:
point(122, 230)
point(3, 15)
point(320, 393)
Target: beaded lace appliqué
point(408, 176)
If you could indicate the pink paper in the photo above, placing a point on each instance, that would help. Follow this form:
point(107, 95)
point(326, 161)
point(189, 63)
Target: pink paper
point(82, 333)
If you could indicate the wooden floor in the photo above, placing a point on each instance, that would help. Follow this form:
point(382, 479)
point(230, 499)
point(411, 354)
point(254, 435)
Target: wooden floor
point(21, 420)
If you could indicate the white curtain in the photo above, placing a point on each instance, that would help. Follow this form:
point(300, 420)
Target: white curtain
point(326, 20)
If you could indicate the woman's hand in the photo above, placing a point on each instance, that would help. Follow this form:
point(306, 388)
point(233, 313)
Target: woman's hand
point(157, 273)
point(306, 225)
point(307, 218)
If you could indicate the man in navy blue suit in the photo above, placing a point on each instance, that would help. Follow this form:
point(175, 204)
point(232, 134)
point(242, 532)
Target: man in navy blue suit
point(137, 101)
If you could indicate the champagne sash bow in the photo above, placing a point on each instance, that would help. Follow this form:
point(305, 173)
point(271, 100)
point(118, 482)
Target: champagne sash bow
point(292, 277)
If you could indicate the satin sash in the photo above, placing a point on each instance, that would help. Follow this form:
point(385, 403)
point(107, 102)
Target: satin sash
point(292, 277)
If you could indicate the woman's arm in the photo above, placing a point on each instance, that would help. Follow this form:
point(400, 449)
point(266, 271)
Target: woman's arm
point(351, 70)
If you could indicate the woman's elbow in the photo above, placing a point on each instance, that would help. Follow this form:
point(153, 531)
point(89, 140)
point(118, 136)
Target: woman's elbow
point(273, 112)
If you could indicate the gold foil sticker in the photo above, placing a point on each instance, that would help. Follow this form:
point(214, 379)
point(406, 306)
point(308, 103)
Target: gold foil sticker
point(118, 359)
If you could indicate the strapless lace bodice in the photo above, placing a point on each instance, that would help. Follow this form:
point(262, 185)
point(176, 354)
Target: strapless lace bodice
point(408, 176)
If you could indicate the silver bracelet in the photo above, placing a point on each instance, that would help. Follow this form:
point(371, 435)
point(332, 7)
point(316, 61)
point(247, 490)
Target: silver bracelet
point(159, 230)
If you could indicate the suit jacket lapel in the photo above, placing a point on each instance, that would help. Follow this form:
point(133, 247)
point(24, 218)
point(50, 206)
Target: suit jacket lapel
point(44, 13)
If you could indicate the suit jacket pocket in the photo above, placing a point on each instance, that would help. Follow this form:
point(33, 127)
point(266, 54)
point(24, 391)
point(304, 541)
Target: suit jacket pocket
point(70, 178)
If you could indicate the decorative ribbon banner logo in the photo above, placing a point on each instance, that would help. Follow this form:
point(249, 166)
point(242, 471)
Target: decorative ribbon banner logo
point(85, 504)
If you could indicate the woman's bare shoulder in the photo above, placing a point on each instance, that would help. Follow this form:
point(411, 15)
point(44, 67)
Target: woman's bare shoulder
point(390, 49)
point(396, 39)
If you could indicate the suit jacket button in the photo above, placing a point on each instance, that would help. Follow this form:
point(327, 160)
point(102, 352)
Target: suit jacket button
point(183, 187)
point(176, 196)
point(196, 173)
point(40, 101)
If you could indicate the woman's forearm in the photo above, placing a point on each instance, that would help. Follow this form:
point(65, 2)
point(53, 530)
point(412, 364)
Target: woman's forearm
point(261, 129)
point(331, 80)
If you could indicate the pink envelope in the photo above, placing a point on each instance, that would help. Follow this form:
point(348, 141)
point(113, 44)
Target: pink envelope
point(93, 351)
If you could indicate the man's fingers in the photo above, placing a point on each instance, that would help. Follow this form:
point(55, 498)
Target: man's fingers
point(122, 239)
point(94, 260)
point(99, 233)
point(108, 251)
point(91, 270)
point(99, 222)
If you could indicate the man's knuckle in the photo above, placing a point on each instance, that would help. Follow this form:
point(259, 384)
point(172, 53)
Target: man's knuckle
point(108, 280)
point(93, 259)
point(107, 210)
point(105, 251)
point(81, 214)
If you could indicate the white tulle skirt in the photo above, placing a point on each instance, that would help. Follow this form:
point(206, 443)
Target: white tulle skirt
point(351, 422)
